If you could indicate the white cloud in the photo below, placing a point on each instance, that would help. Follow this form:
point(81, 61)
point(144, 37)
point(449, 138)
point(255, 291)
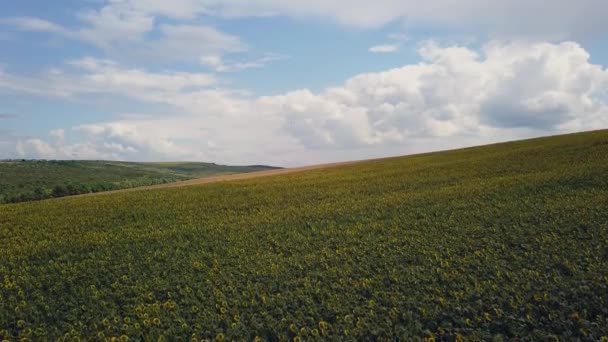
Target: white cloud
point(456, 96)
point(385, 48)
point(157, 28)
point(34, 24)
point(562, 19)
point(57, 133)
point(108, 25)
point(37, 148)
point(119, 148)
point(397, 41)
point(125, 34)
point(121, 21)
point(454, 92)
point(196, 136)
point(218, 64)
point(34, 148)
point(134, 28)
point(128, 137)
point(176, 9)
point(108, 75)
point(97, 76)
point(506, 90)
point(61, 149)
point(189, 43)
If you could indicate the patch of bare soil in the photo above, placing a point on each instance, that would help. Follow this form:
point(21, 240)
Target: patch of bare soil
point(226, 178)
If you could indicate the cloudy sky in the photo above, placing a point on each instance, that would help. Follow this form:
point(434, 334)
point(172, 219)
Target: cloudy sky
point(294, 82)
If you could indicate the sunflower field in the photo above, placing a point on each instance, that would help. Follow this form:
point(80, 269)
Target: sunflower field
point(498, 242)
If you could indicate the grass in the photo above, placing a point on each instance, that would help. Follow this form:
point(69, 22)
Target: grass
point(40, 179)
point(494, 242)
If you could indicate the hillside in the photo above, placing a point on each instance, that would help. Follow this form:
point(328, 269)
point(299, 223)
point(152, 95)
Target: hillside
point(25, 180)
point(492, 242)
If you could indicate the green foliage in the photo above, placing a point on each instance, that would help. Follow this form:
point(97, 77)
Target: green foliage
point(29, 180)
point(489, 243)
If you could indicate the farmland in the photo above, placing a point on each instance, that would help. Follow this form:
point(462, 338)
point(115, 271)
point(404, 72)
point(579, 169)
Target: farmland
point(26, 180)
point(492, 242)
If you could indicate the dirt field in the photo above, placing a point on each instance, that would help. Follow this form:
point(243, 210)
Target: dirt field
point(226, 178)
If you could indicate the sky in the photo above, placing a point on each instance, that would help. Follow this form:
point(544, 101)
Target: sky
point(294, 82)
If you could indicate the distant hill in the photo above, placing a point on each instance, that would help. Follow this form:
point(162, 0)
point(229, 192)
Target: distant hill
point(26, 180)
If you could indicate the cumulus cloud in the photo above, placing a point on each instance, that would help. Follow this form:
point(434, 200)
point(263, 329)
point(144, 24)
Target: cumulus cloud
point(456, 91)
point(39, 149)
point(35, 147)
point(58, 147)
point(456, 96)
point(129, 137)
point(244, 136)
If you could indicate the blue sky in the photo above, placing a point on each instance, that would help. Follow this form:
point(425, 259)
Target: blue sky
point(294, 82)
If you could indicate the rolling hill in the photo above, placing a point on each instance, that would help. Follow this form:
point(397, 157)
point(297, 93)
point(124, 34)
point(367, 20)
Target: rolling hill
point(487, 243)
point(26, 180)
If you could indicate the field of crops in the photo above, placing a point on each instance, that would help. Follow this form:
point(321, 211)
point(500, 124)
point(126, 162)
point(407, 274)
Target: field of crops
point(485, 243)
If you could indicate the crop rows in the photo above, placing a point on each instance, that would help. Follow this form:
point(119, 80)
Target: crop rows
point(497, 242)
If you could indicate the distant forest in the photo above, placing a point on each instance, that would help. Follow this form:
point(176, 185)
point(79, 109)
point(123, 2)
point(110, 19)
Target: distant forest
point(24, 180)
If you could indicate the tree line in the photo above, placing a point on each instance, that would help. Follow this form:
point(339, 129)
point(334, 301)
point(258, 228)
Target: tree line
point(71, 189)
